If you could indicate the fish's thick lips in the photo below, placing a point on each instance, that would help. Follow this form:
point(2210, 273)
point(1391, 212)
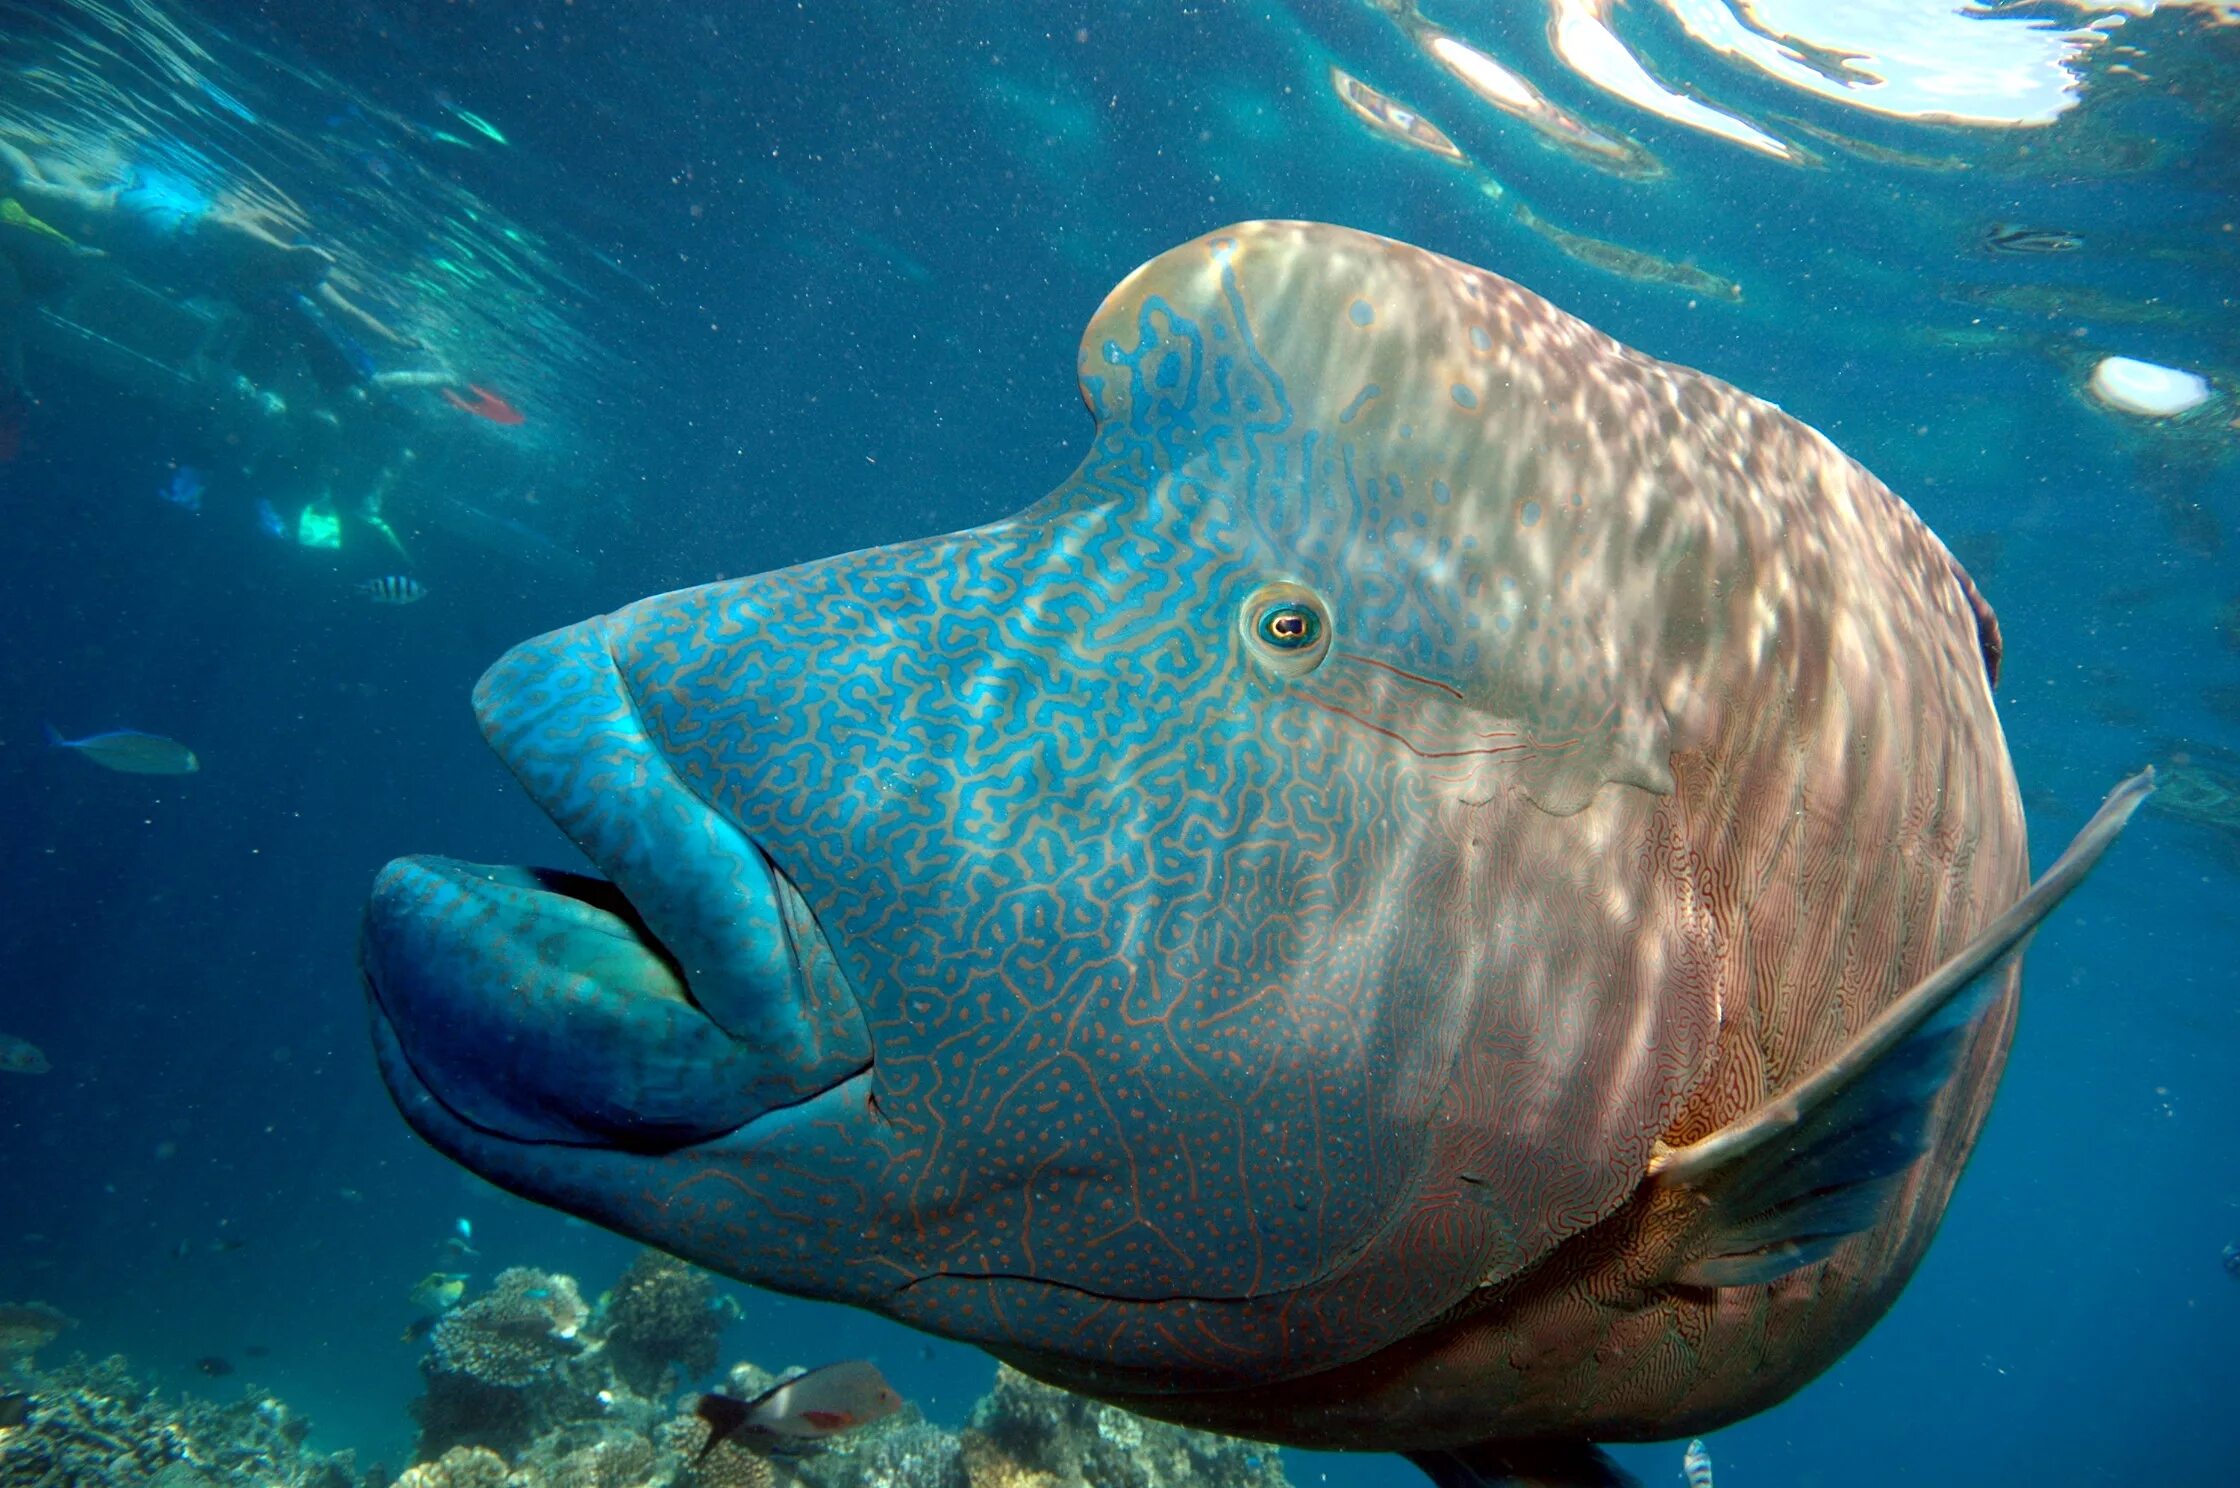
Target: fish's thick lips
point(693, 951)
point(534, 1006)
point(559, 713)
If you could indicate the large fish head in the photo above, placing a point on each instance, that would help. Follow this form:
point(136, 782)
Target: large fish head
point(1143, 934)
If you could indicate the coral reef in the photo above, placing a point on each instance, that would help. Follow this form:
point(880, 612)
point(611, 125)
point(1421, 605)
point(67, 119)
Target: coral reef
point(1025, 1434)
point(26, 1328)
point(510, 1407)
point(529, 1323)
point(87, 1424)
point(461, 1467)
point(906, 1452)
point(726, 1465)
point(661, 1324)
point(526, 1387)
point(508, 1367)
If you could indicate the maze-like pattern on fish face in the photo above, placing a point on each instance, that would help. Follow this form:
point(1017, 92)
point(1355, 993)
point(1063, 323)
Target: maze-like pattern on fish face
point(1227, 1024)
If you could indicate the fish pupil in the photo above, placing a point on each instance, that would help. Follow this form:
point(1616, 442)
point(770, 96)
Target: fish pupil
point(1290, 627)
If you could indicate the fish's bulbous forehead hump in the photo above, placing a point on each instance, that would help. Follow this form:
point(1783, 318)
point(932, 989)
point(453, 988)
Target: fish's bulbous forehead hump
point(1328, 311)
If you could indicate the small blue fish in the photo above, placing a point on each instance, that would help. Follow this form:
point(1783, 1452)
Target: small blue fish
point(2232, 1261)
point(269, 520)
point(131, 752)
point(394, 589)
point(184, 489)
point(1696, 1464)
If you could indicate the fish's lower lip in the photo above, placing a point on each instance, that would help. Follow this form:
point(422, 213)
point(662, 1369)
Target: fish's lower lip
point(534, 1005)
point(685, 994)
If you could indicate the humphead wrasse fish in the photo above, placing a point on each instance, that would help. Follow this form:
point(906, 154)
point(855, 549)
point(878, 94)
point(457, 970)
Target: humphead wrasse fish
point(1455, 889)
point(130, 752)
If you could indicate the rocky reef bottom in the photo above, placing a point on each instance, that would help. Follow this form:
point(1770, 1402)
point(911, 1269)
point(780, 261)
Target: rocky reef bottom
point(529, 1386)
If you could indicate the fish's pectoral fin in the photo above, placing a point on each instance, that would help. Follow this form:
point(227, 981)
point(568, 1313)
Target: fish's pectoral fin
point(1500, 1464)
point(1789, 1182)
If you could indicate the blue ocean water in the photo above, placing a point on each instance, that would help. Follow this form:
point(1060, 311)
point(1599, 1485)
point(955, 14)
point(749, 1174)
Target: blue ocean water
point(767, 283)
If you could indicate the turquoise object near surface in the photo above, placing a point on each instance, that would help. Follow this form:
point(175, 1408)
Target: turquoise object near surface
point(1447, 854)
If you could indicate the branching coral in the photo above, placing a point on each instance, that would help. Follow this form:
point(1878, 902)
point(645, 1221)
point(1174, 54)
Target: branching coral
point(97, 1424)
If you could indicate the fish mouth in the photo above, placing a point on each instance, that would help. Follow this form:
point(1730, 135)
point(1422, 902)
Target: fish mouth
point(675, 999)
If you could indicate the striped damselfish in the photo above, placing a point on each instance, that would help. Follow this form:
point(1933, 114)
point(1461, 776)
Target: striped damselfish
point(394, 589)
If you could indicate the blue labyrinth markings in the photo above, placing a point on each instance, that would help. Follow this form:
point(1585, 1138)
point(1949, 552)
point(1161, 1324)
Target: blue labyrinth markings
point(1123, 916)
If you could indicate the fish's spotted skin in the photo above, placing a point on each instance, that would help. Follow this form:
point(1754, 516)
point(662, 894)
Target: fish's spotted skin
point(1274, 1036)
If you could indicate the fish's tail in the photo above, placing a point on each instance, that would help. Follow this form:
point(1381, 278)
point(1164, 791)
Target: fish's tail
point(54, 736)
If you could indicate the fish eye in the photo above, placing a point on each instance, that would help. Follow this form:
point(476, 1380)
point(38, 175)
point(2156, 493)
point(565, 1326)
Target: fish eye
point(1286, 628)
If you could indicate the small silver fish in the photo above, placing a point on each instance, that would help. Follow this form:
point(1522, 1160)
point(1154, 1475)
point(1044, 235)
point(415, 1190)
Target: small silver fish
point(20, 1058)
point(394, 589)
point(2009, 237)
point(1696, 1464)
point(131, 752)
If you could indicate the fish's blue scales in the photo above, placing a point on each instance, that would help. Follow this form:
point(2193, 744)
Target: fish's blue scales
point(1196, 802)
